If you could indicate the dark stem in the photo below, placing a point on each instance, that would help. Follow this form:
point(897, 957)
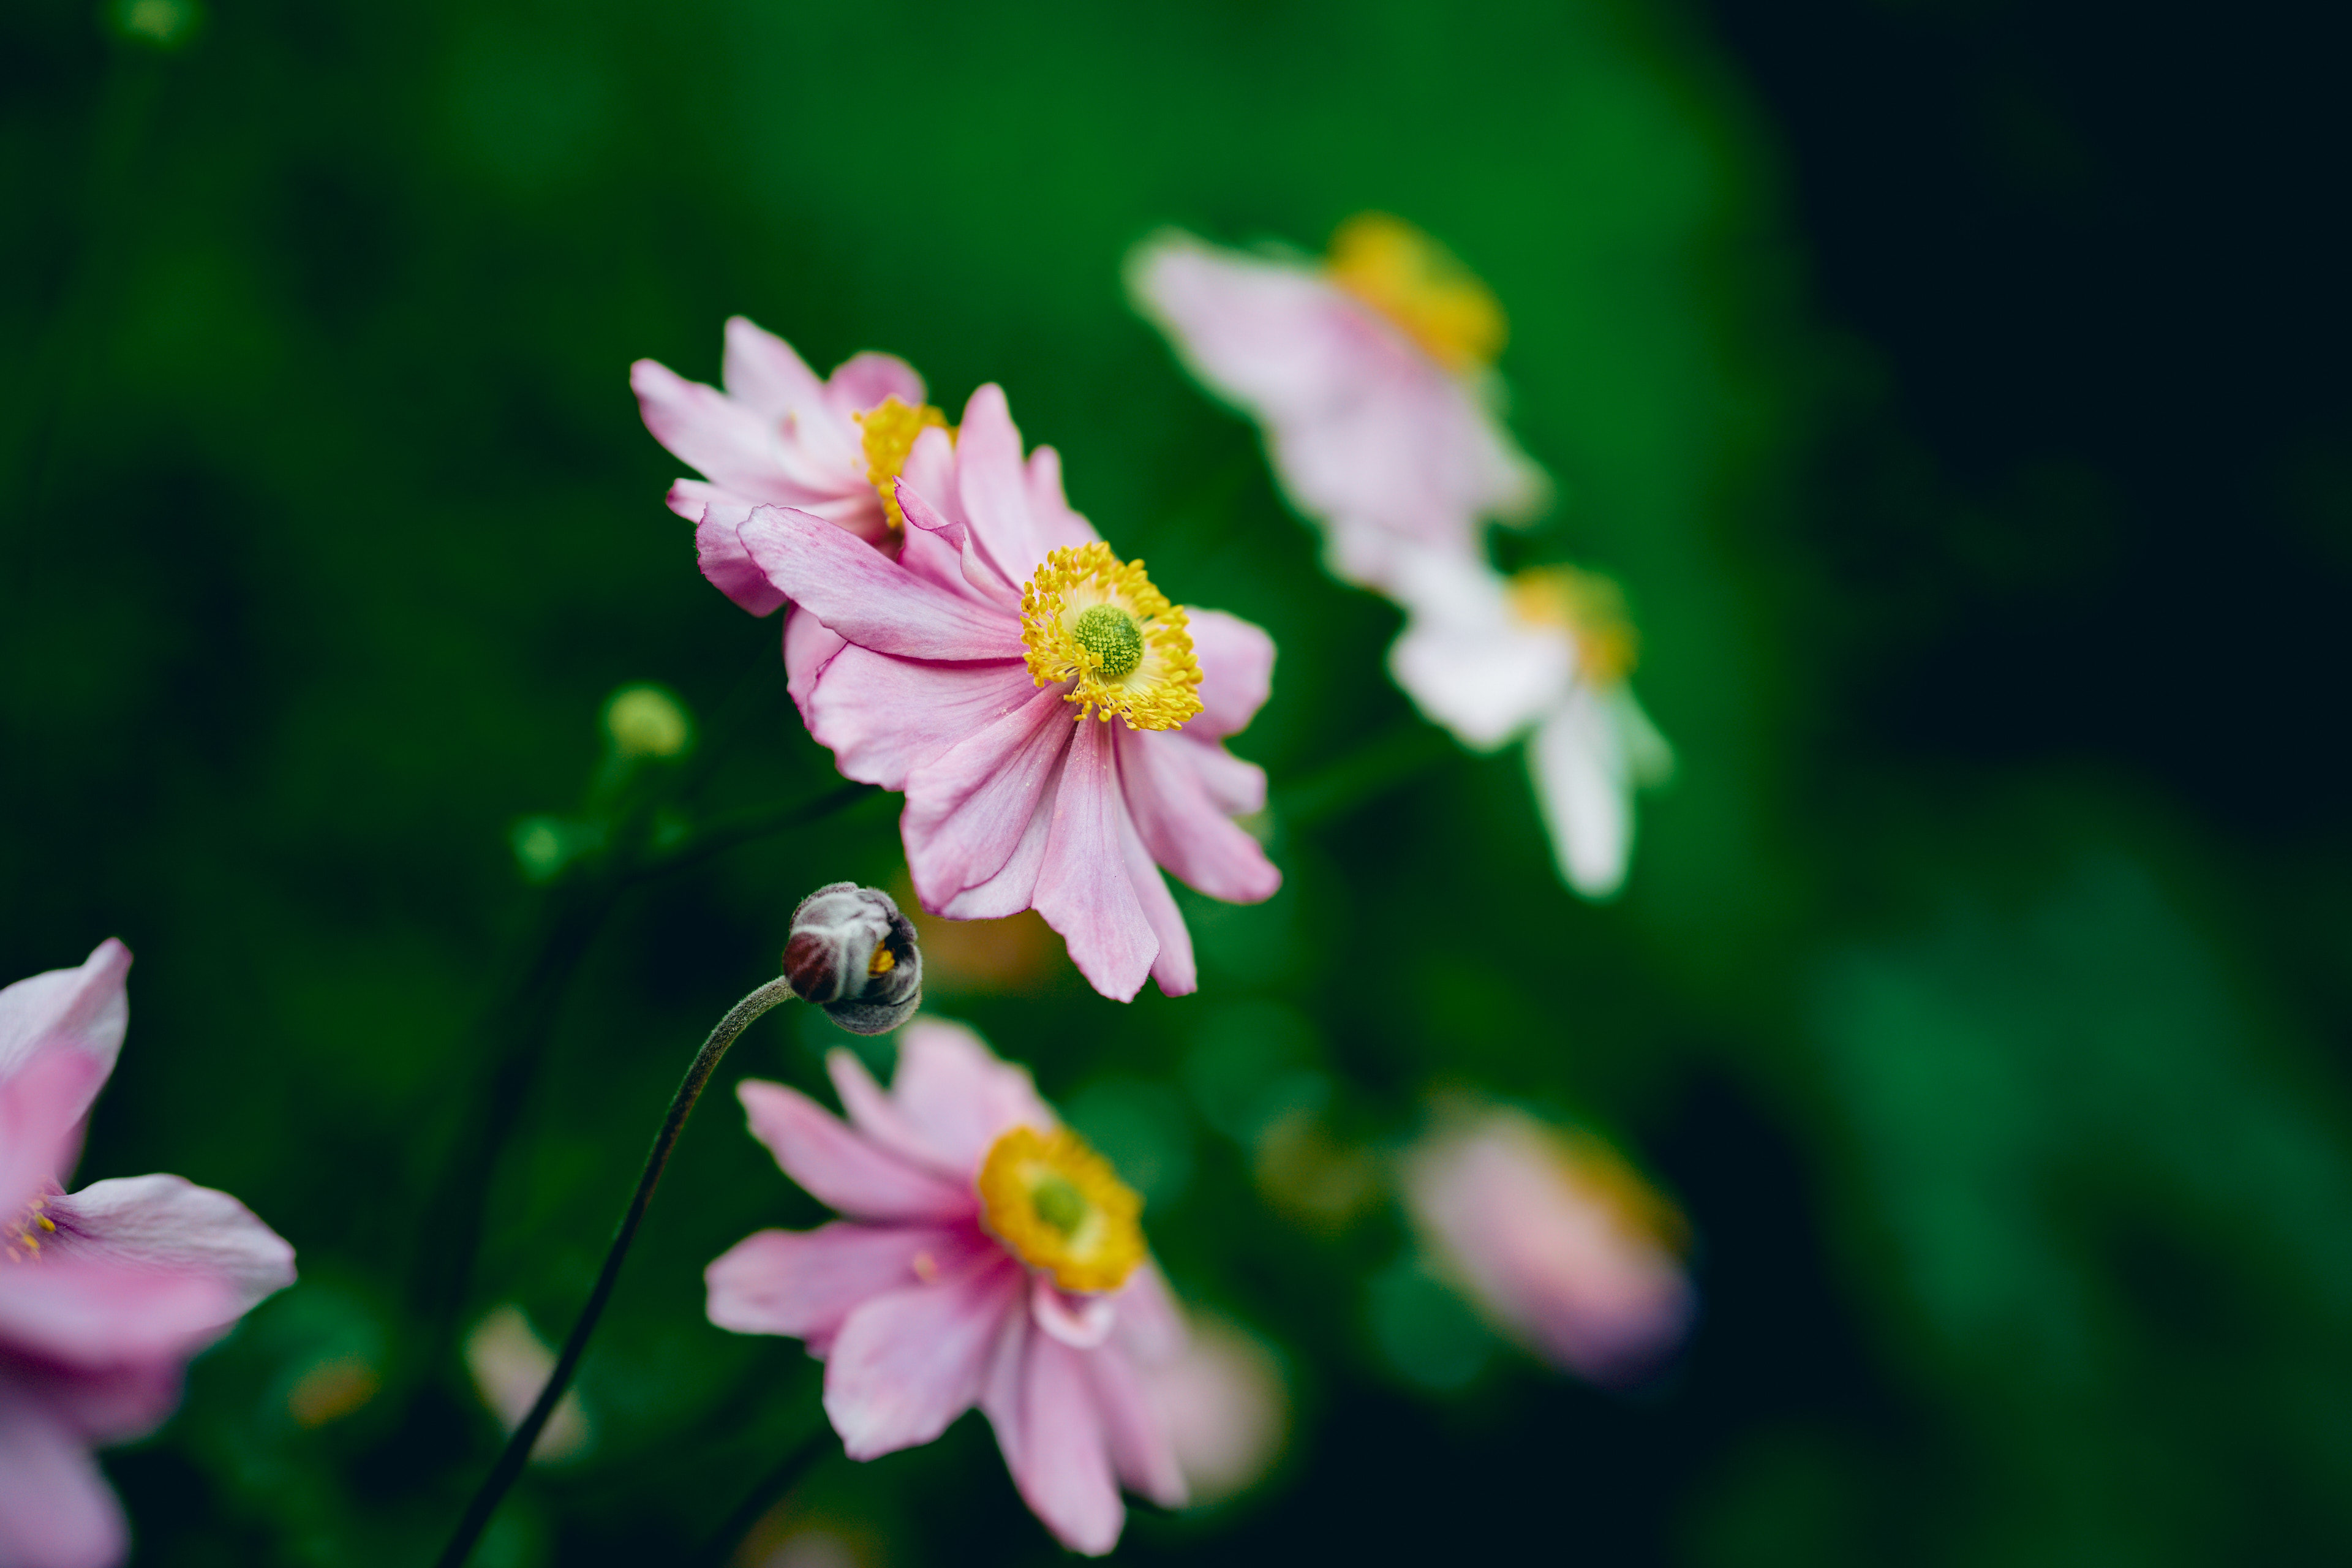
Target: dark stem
point(771, 1490)
point(519, 1445)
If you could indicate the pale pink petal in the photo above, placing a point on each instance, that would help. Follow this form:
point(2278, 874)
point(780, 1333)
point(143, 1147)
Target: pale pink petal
point(994, 488)
point(884, 718)
point(1237, 662)
point(1013, 887)
point(1059, 526)
point(1150, 1325)
point(171, 1224)
point(1466, 658)
point(1235, 787)
point(967, 807)
point(863, 380)
point(1581, 784)
point(1054, 1443)
point(729, 442)
point(1173, 965)
point(84, 1009)
point(41, 1104)
point(941, 551)
point(810, 648)
point(1270, 336)
point(1082, 1322)
point(840, 1168)
point(1183, 827)
point(880, 1116)
point(764, 371)
point(1134, 1430)
point(907, 1362)
point(56, 1509)
point(959, 1095)
point(91, 1312)
point(113, 1399)
point(804, 1283)
point(716, 516)
point(868, 599)
point(1084, 889)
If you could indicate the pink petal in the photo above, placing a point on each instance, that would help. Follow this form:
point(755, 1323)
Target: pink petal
point(872, 601)
point(840, 1168)
point(1054, 1443)
point(883, 718)
point(968, 807)
point(1082, 1322)
point(810, 648)
point(942, 552)
point(41, 1104)
point(1183, 828)
point(1236, 672)
point(993, 488)
point(804, 1283)
point(729, 442)
point(874, 1112)
point(764, 371)
point(93, 1313)
point(1084, 889)
point(56, 1509)
point(959, 1095)
point(1134, 1429)
point(1058, 527)
point(1150, 1325)
point(171, 1224)
point(84, 1009)
point(863, 380)
point(717, 514)
point(1172, 966)
point(907, 1363)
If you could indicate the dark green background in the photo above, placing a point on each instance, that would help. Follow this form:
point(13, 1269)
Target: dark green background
point(1955, 385)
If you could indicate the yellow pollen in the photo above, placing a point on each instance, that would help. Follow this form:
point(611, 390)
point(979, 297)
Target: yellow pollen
point(1420, 287)
point(889, 429)
point(1092, 619)
point(881, 962)
point(1060, 1207)
point(1588, 607)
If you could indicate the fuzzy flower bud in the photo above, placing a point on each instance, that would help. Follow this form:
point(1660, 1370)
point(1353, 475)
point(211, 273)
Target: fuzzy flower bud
point(854, 955)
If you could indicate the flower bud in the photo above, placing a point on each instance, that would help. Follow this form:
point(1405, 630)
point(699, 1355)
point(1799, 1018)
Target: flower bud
point(854, 955)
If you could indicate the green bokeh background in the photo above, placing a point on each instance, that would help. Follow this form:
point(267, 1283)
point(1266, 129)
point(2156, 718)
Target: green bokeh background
point(1977, 990)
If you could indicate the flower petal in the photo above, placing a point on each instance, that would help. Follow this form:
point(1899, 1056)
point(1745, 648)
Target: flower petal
point(1173, 965)
point(907, 1363)
point(1161, 774)
point(840, 1168)
point(1059, 526)
point(1150, 1325)
point(868, 599)
point(1587, 799)
point(1134, 1429)
point(810, 648)
point(1082, 1322)
point(1466, 658)
point(84, 1009)
point(803, 1283)
point(862, 380)
point(941, 551)
point(992, 486)
point(967, 807)
point(728, 441)
point(1084, 888)
point(765, 373)
point(1237, 662)
point(171, 1224)
point(884, 718)
point(959, 1095)
point(1054, 1445)
point(92, 1312)
point(41, 1104)
point(55, 1509)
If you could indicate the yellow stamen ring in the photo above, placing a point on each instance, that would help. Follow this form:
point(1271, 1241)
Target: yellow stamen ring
point(1060, 1207)
point(1088, 617)
point(1590, 609)
point(889, 430)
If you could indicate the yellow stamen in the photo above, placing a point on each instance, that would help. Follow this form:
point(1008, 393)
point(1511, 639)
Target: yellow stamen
point(1090, 617)
point(1590, 608)
point(881, 962)
point(1060, 1207)
point(1420, 287)
point(889, 429)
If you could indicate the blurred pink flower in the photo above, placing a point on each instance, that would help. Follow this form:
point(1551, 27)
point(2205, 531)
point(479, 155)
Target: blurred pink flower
point(1370, 374)
point(1556, 1238)
point(989, 1258)
point(1546, 655)
point(1224, 1407)
point(1056, 725)
point(104, 1293)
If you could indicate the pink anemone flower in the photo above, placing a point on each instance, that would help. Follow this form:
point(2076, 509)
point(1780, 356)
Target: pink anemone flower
point(988, 1258)
point(1370, 374)
point(1056, 725)
point(779, 437)
point(1556, 1238)
point(105, 1293)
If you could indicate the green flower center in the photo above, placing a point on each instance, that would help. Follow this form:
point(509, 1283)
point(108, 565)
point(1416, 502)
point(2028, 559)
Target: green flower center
point(1110, 635)
point(1058, 1203)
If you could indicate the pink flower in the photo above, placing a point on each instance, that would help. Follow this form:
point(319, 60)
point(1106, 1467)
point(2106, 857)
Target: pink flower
point(1056, 725)
point(1225, 1408)
point(104, 1293)
point(989, 1258)
point(779, 437)
point(1369, 375)
point(1556, 1238)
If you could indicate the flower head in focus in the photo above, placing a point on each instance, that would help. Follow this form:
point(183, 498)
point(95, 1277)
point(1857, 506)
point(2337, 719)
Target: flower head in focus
point(105, 1293)
point(1372, 375)
point(1056, 724)
point(1554, 1237)
point(988, 1257)
point(855, 955)
point(1545, 654)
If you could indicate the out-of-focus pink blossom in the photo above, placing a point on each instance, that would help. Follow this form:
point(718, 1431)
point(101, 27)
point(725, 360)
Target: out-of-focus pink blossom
point(1544, 655)
point(987, 1257)
point(1369, 375)
point(1224, 1407)
point(1057, 726)
point(104, 1293)
point(1555, 1238)
point(510, 1364)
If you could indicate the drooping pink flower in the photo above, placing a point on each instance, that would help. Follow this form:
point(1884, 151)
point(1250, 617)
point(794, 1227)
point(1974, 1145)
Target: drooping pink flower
point(779, 437)
point(1056, 725)
point(104, 1293)
point(1556, 1238)
point(1370, 374)
point(988, 1258)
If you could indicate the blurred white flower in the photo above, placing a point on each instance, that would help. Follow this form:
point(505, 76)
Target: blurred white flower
point(510, 1364)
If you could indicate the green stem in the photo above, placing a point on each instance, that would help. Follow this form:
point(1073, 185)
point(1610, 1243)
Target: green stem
point(519, 1445)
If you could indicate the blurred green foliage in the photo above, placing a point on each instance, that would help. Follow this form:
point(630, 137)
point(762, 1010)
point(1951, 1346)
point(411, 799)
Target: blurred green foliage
point(1993, 1088)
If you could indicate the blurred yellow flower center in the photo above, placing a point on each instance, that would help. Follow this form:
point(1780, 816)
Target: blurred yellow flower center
point(1587, 608)
point(1088, 617)
point(889, 429)
point(1596, 1171)
point(1420, 287)
point(1060, 1207)
point(22, 1239)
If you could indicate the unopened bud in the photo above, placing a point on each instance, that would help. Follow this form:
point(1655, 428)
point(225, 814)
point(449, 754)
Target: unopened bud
point(854, 955)
point(648, 722)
